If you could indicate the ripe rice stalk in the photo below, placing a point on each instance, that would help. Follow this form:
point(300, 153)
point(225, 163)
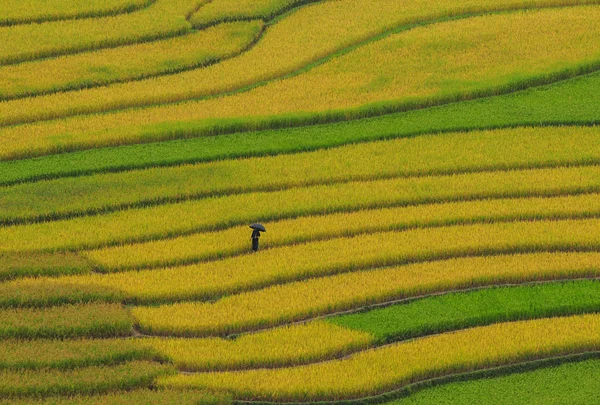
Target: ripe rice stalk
point(215, 213)
point(391, 367)
point(444, 154)
point(280, 304)
point(362, 79)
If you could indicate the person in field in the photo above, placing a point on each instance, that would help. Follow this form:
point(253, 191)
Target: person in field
point(256, 230)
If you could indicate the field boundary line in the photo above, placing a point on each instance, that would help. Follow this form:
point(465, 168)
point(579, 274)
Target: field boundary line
point(408, 389)
point(156, 202)
point(364, 111)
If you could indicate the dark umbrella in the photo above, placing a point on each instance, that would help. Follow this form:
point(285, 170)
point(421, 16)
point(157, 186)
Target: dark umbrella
point(258, 227)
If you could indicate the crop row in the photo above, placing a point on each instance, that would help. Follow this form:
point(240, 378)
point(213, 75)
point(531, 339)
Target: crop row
point(31, 11)
point(337, 336)
point(320, 87)
point(565, 102)
point(230, 10)
point(87, 380)
point(132, 62)
point(571, 383)
point(163, 18)
point(445, 154)
point(87, 320)
point(205, 246)
point(139, 396)
point(286, 264)
point(391, 367)
point(306, 299)
point(68, 354)
point(221, 212)
point(41, 264)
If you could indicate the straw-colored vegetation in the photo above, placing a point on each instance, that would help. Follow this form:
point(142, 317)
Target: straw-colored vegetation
point(15, 265)
point(231, 10)
point(381, 370)
point(284, 346)
point(220, 212)
point(460, 152)
point(510, 63)
point(91, 320)
point(301, 300)
point(127, 62)
point(27, 11)
point(209, 245)
point(33, 41)
point(86, 380)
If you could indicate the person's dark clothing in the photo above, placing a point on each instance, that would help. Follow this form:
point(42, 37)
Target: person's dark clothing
point(255, 236)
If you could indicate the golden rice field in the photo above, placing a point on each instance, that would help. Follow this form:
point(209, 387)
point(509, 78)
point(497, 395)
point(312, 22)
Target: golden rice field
point(428, 174)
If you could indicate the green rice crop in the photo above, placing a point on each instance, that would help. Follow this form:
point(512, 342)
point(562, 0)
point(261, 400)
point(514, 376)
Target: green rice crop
point(144, 396)
point(570, 101)
point(460, 152)
point(571, 383)
point(392, 367)
point(234, 241)
point(220, 212)
point(13, 265)
point(29, 293)
point(88, 320)
point(33, 41)
point(528, 66)
point(124, 63)
point(87, 380)
point(28, 11)
point(67, 354)
point(279, 304)
point(462, 310)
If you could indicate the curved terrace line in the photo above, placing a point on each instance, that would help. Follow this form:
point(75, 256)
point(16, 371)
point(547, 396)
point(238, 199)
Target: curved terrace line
point(355, 113)
point(407, 389)
point(159, 201)
point(11, 22)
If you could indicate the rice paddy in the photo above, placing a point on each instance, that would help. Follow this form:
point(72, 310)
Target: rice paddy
point(428, 173)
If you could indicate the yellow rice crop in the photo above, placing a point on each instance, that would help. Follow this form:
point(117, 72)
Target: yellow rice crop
point(31, 41)
point(22, 11)
point(301, 300)
point(308, 35)
point(337, 255)
point(384, 369)
point(219, 212)
point(232, 10)
point(122, 63)
point(199, 246)
point(282, 346)
point(448, 153)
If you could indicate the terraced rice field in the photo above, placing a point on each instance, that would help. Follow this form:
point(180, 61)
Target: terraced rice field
point(428, 173)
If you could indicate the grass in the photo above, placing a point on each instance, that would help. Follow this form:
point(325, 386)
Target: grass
point(447, 154)
point(234, 241)
point(280, 304)
point(34, 41)
point(221, 212)
point(23, 12)
point(572, 383)
point(571, 101)
point(81, 381)
point(69, 354)
point(88, 320)
point(462, 310)
point(41, 264)
point(133, 62)
point(524, 69)
point(143, 396)
point(391, 367)
point(274, 348)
